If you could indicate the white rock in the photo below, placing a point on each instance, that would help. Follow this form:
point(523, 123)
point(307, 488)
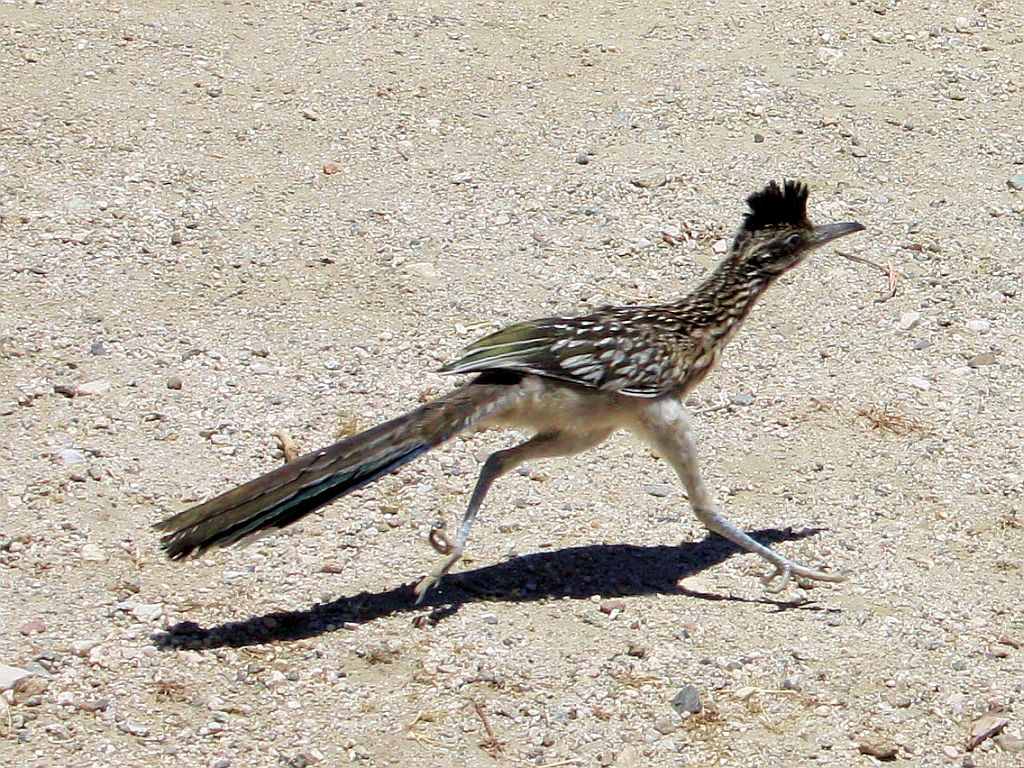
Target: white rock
point(93, 554)
point(9, 676)
point(919, 382)
point(102, 656)
point(97, 387)
point(422, 269)
point(71, 456)
point(979, 325)
point(908, 320)
point(720, 246)
point(148, 611)
point(277, 679)
point(83, 647)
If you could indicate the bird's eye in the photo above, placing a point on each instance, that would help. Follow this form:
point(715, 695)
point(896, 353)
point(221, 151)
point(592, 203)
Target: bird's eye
point(793, 240)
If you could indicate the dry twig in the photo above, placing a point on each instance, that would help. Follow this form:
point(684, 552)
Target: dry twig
point(491, 745)
point(891, 274)
point(882, 419)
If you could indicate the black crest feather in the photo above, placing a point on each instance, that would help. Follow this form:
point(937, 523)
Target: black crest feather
point(776, 206)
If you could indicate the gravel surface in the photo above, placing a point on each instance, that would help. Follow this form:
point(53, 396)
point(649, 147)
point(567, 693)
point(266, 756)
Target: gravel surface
point(221, 220)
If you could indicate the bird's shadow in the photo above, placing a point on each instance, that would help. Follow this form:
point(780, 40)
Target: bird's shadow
point(608, 570)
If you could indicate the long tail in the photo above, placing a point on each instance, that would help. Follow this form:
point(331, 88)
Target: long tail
point(292, 491)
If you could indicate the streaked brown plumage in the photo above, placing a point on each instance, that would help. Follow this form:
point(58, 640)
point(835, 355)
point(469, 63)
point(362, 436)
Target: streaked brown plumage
point(572, 381)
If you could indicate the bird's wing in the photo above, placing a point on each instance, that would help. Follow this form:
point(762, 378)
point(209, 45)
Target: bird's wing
point(614, 350)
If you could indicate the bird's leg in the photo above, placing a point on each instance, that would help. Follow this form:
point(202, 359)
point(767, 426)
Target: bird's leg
point(543, 445)
point(665, 425)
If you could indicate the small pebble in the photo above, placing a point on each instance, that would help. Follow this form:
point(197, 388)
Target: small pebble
point(661, 490)
point(81, 648)
point(649, 180)
point(133, 728)
point(665, 726)
point(147, 611)
point(636, 651)
point(9, 676)
point(963, 25)
point(92, 553)
point(979, 325)
point(424, 270)
point(92, 388)
point(881, 750)
point(687, 700)
point(792, 683)
point(174, 382)
point(985, 358)
point(986, 727)
point(1016, 183)
point(309, 114)
point(918, 382)
point(71, 456)
point(908, 320)
point(608, 606)
point(1009, 743)
point(34, 627)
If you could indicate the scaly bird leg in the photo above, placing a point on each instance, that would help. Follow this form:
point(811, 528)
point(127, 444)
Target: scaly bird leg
point(544, 445)
point(665, 426)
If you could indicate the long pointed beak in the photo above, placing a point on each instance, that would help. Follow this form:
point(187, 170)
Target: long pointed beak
point(828, 232)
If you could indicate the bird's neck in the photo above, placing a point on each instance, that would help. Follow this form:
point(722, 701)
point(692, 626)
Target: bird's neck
point(722, 301)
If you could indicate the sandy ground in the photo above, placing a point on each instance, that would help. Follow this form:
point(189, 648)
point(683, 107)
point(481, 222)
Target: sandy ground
point(218, 220)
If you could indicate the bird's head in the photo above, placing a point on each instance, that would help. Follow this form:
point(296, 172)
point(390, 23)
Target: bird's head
point(776, 234)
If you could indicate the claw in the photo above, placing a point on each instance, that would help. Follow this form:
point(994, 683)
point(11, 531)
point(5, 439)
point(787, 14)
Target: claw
point(442, 544)
point(784, 571)
point(424, 586)
point(439, 541)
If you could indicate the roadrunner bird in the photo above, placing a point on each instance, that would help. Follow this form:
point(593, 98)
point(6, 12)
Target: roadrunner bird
point(571, 381)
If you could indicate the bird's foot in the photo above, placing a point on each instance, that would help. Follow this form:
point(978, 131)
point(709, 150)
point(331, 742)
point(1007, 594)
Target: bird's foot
point(778, 580)
point(439, 541)
point(441, 544)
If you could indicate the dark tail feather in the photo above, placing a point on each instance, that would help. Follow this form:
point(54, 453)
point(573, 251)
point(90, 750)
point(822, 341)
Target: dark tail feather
point(292, 491)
